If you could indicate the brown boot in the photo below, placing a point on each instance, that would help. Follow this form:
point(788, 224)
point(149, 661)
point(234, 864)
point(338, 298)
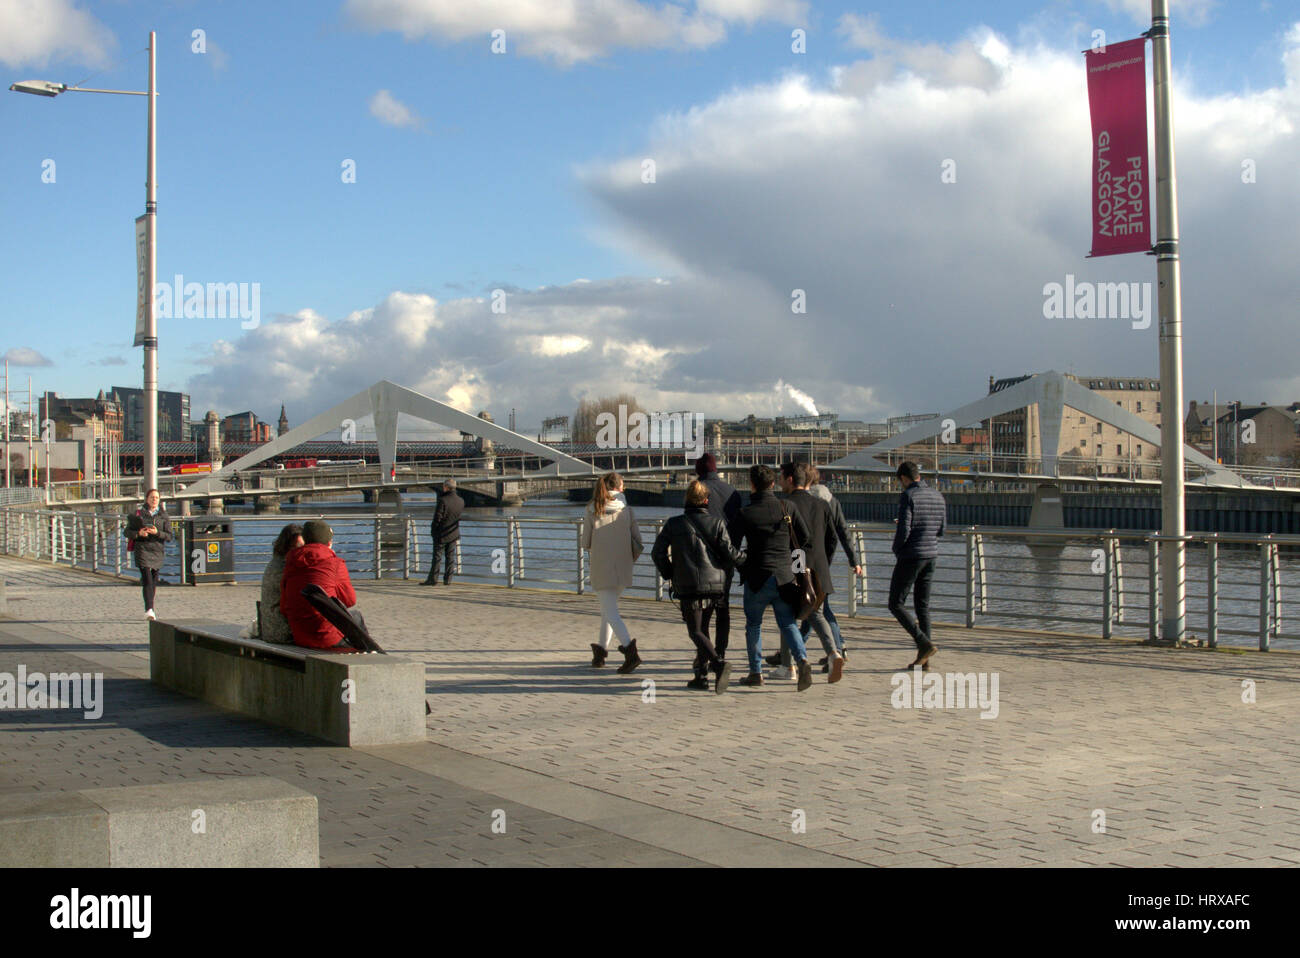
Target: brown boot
point(630, 659)
point(598, 654)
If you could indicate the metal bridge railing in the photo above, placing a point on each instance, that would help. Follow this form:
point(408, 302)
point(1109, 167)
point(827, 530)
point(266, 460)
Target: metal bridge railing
point(1092, 581)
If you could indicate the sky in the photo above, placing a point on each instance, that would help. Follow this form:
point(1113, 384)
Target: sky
point(719, 206)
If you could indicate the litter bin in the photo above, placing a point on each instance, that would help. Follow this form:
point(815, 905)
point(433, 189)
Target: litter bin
point(209, 554)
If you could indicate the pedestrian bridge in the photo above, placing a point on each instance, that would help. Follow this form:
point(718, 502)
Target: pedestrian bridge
point(534, 468)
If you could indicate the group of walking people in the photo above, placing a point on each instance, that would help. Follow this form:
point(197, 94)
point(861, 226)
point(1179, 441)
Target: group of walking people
point(782, 550)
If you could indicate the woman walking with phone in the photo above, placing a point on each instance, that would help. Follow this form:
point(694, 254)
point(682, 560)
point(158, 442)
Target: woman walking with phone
point(610, 535)
point(148, 531)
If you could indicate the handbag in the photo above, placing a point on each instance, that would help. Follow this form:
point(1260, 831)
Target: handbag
point(806, 593)
point(130, 543)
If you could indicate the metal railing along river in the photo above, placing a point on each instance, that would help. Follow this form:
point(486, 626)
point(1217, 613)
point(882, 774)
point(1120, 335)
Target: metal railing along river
point(1081, 581)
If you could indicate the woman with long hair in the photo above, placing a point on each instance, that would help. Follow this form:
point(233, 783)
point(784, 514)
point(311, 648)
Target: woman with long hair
point(274, 626)
point(148, 531)
point(610, 535)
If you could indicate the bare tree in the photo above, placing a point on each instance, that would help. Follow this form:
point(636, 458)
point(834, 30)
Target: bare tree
point(584, 420)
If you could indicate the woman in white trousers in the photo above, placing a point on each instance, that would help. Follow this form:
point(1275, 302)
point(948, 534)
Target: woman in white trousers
point(610, 535)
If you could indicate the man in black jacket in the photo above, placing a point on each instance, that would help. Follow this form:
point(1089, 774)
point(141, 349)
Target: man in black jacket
point(724, 504)
point(921, 520)
point(817, 547)
point(445, 530)
point(694, 553)
point(816, 487)
point(764, 525)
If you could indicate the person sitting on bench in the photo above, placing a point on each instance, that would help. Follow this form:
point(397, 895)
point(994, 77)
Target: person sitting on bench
point(315, 563)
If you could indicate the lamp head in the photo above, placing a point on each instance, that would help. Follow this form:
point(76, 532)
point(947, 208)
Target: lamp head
point(39, 87)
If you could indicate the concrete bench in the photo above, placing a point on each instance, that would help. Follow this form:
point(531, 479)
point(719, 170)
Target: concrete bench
point(345, 698)
point(253, 822)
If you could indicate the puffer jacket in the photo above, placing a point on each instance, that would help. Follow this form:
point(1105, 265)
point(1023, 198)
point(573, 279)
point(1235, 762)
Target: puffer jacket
point(694, 552)
point(149, 551)
point(922, 516)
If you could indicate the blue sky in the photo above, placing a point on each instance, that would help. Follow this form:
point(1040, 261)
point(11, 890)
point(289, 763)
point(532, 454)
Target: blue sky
point(503, 180)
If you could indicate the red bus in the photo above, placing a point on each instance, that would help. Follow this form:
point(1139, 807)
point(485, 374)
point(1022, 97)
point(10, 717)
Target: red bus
point(300, 463)
point(192, 468)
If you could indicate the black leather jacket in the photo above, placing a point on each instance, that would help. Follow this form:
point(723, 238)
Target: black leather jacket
point(694, 552)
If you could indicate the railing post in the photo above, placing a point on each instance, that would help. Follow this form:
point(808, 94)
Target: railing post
point(458, 570)
point(378, 550)
point(117, 545)
point(1107, 590)
point(658, 581)
point(578, 543)
point(519, 551)
point(859, 591)
point(1212, 591)
point(969, 536)
point(54, 523)
point(1277, 591)
point(1269, 592)
point(406, 551)
point(1153, 584)
point(510, 553)
point(1118, 565)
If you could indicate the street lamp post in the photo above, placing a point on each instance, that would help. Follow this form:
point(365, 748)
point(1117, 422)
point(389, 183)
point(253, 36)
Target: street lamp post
point(1173, 524)
point(146, 321)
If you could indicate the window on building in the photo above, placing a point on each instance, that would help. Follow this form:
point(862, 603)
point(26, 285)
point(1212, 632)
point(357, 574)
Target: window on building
point(1139, 449)
point(1139, 405)
point(1099, 449)
point(1119, 449)
point(1083, 420)
point(1083, 444)
point(1157, 407)
point(1098, 429)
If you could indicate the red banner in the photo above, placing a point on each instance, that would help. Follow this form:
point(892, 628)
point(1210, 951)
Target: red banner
point(1121, 181)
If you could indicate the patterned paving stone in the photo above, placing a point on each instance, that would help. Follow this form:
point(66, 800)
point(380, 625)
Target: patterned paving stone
point(1159, 740)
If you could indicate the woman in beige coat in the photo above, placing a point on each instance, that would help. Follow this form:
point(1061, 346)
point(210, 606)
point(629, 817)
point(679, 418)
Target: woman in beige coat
point(610, 534)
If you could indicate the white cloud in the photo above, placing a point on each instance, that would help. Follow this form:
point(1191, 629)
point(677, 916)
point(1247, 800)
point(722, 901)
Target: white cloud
point(551, 346)
point(573, 30)
point(388, 109)
point(974, 61)
point(916, 290)
point(25, 356)
point(34, 32)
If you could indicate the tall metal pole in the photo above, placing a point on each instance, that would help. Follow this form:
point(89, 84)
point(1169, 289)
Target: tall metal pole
point(1173, 586)
point(8, 482)
point(31, 421)
point(151, 274)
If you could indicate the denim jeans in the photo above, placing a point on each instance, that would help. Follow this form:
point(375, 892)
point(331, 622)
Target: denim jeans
point(833, 622)
point(756, 604)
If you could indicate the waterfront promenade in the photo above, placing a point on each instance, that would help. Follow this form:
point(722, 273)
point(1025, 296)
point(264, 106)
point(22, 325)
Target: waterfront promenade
point(589, 771)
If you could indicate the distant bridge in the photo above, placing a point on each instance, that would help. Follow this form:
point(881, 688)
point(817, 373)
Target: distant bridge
point(533, 468)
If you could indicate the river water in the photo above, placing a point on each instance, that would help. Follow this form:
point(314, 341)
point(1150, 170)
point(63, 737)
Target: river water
point(1054, 587)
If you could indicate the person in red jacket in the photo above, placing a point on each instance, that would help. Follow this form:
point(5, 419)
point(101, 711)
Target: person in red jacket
point(314, 563)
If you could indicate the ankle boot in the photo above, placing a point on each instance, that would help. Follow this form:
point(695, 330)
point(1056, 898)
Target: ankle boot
point(630, 659)
point(598, 653)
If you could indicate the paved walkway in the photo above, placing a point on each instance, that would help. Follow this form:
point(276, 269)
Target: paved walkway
point(590, 768)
